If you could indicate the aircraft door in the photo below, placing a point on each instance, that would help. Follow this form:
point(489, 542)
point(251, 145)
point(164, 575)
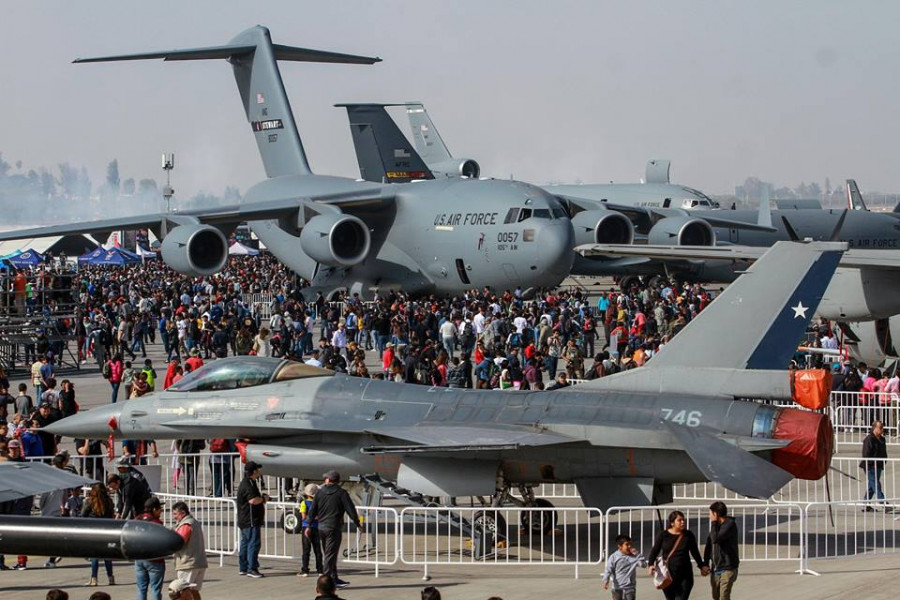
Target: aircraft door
point(461, 271)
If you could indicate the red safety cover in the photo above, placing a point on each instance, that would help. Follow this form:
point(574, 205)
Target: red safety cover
point(242, 448)
point(808, 456)
point(811, 388)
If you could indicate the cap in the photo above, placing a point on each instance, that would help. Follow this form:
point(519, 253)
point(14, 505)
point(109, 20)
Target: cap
point(177, 586)
point(124, 461)
point(152, 503)
point(46, 405)
point(332, 475)
point(251, 466)
point(389, 345)
point(310, 489)
point(14, 444)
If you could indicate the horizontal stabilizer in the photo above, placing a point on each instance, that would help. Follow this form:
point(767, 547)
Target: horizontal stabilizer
point(288, 53)
point(19, 480)
point(728, 465)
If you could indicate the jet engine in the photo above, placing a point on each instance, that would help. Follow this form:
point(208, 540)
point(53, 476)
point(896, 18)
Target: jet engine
point(307, 463)
point(682, 231)
point(195, 249)
point(602, 227)
point(459, 167)
point(336, 240)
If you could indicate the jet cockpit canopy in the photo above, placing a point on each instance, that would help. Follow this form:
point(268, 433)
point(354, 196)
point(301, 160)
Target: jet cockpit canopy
point(244, 371)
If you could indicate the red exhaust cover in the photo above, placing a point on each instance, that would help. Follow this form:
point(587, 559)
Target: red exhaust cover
point(808, 456)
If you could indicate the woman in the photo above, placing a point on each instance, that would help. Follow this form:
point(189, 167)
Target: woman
point(261, 343)
point(98, 505)
point(677, 545)
point(67, 404)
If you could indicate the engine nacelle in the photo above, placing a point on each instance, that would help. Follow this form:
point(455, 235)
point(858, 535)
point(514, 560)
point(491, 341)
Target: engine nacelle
point(195, 249)
point(602, 227)
point(308, 463)
point(335, 240)
point(458, 167)
point(682, 231)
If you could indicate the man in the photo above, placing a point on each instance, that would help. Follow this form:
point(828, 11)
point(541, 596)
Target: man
point(720, 557)
point(134, 491)
point(561, 382)
point(24, 404)
point(251, 505)
point(149, 574)
point(330, 505)
point(190, 561)
point(43, 417)
point(874, 451)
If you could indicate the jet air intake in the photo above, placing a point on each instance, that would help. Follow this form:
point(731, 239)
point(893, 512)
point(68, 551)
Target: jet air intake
point(195, 249)
point(682, 231)
point(602, 227)
point(462, 167)
point(336, 240)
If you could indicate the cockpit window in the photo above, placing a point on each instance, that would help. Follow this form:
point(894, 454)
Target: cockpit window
point(559, 213)
point(512, 216)
point(525, 213)
point(542, 213)
point(242, 372)
point(697, 193)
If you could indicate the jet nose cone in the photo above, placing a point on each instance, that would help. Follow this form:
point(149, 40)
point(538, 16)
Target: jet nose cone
point(89, 423)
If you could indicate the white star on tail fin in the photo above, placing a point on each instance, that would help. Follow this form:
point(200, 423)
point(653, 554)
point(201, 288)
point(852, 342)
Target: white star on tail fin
point(800, 310)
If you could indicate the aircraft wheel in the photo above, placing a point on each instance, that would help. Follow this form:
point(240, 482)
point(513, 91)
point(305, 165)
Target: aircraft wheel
point(488, 526)
point(292, 522)
point(656, 281)
point(542, 522)
point(626, 282)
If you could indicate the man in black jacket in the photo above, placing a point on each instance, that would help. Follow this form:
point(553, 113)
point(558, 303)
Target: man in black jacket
point(874, 451)
point(330, 504)
point(251, 507)
point(720, 557)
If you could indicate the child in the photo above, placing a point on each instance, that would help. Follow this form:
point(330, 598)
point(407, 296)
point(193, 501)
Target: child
point(74, 503)
point(311, 542)
point(621, 568)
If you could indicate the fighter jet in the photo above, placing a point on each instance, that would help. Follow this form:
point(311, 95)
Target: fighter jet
point(623, 440)
point(441, 236)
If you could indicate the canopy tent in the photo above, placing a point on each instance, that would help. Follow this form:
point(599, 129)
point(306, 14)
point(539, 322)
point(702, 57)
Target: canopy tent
point(145, 253)
point(72, 245)
point(24, 259)
point(239, 249)
point(111, 257)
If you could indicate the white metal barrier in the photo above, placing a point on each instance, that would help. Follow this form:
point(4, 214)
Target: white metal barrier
point(378, 544)
point(218, 517)
point(842, 529)
point(500, 536)
point(766, 531)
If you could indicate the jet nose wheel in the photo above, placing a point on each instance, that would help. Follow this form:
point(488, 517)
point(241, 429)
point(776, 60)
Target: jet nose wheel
point(542, 521)
point(489, 529)
point(291, 521)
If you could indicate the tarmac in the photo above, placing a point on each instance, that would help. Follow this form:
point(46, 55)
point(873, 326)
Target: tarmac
point(869, 575)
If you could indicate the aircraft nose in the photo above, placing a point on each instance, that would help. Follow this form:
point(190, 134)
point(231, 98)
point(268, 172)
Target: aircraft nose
point(94, 423)
point(555, 243)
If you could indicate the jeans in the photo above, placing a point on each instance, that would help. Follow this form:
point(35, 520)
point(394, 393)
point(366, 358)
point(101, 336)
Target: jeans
point(95, 567)
point(248, 557)
point(149, 577)
point(115, 391)
point(221, 476)
point(448, 346)
point(874, 477)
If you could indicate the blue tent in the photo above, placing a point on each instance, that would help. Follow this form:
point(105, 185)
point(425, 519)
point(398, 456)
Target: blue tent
point(113, 256)
point(25, 259)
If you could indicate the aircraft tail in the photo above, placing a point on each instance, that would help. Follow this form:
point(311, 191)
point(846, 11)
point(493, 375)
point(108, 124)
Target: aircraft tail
point(854, 198)
point(254, 59)
point(428, 141)
point(757, 321)
point(384, 154)
point(764, 218)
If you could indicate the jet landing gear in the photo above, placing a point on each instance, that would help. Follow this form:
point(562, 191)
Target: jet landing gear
point(542, 522)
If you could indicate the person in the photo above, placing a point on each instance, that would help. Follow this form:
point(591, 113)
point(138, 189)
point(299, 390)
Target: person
point(134, 492)
point(621, 569)
point(181, 590)
point(98, 595)
point(221, 464)
point(721, 552)
point(326, 589)
point(874, 453)
point(24, 403)
point(330, 505)
point(190, 560)
point(677, 544)
point(150, 573)
point(431, 593)
point(251, 514)
point(312, 541)
point(561, 382)
point(57, 594)
point(112, 371)
point(98, 505)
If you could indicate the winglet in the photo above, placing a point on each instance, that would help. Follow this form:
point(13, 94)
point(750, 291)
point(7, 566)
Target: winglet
point(854, 197)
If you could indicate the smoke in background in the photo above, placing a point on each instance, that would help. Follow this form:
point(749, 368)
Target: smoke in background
point(65, 193)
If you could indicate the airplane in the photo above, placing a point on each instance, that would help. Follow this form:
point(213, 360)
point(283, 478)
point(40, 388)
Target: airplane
point(625, 439)
point(442, 236)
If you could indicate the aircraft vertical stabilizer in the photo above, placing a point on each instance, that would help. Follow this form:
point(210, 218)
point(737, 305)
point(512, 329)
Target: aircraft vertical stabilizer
point(757, 321)
point(854, 197)
point(428, 141)
point(253, 57)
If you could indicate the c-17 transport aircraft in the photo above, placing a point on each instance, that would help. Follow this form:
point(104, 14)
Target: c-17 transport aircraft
point(441, 236)
point(623, 440)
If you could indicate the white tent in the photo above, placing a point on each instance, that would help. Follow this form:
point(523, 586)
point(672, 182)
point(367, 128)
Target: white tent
point(239, 249)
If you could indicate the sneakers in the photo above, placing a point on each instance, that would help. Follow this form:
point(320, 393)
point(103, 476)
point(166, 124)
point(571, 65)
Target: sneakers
point(92, 582)
point(340, 583)
point(242, 573)
point(303, 574)
point(254, 574)
point(20, 567)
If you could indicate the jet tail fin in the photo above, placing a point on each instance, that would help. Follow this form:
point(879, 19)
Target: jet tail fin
point(758, 320)
point(428, 141)
point(854, 197)
point(764, 219)
point(384, 154)
point(254, 58)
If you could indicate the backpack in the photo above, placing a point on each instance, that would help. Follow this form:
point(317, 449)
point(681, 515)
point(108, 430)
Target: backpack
point(422, 375)
point(107, 370)
point(468, 333)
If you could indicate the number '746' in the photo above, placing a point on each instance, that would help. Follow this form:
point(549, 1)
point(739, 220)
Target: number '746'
point(691, 418)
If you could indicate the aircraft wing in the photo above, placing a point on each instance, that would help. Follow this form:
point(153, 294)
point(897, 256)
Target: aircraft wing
point(859, 259)
point(229, 214)
point(20, 480)
point(452, 438)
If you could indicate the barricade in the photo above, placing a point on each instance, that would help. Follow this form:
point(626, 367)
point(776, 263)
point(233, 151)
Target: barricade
point(842, 529)
point(853, 414)
point(766, 531)
point(219, 519)
point(199, 474)
point(500, 536)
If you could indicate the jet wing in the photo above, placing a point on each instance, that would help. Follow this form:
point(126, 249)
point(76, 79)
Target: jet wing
point(20, 480)
point(451, 438)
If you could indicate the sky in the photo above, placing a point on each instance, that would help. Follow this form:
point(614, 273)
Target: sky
point(541, 91)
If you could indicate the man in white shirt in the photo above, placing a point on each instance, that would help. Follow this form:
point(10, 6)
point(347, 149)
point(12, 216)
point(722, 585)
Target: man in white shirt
point(478, 322)
point(448, 336)
point(339, 339)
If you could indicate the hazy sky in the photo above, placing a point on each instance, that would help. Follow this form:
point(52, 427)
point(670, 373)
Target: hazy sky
point(786, 91)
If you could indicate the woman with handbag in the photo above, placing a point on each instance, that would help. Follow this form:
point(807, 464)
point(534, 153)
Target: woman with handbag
point(670, 558)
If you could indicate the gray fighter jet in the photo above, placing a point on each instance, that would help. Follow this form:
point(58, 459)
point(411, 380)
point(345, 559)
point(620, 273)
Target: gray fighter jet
point(439, 236)
point(624, 439)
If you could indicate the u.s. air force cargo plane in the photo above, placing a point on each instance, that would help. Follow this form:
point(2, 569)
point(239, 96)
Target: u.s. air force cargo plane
point(623, 440)
point(439, 236)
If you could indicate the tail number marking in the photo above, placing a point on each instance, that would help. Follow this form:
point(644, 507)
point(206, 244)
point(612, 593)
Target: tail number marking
point(690, 418)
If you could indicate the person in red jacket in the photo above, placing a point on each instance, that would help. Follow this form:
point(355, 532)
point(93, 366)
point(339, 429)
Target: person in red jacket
point(114, 368)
